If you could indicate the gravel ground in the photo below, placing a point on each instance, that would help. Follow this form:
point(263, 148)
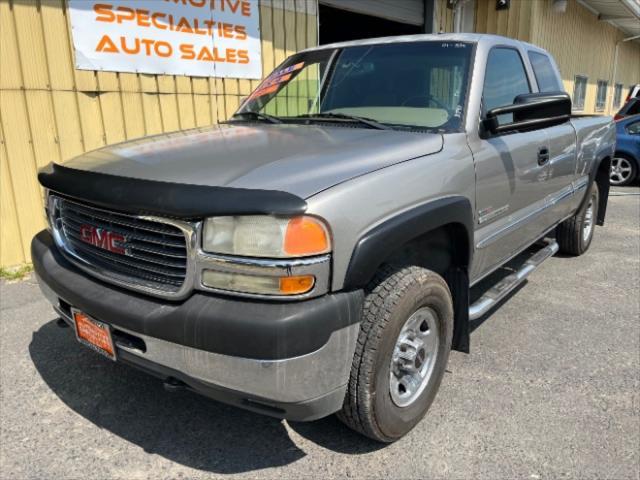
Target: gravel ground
point(550, 390)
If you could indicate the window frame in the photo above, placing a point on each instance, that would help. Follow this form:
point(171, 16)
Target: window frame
point(326, 79)
point(530, 53)
point(527, 73)
point(617, 94)
point(574, 105)
point(600, 107)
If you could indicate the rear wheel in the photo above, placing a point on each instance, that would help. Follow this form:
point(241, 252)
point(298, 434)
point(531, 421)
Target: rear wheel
point(623, 170)
point(575, 234)
point(402, 351)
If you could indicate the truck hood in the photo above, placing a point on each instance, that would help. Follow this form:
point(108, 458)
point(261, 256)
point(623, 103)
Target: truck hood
point(299, 159)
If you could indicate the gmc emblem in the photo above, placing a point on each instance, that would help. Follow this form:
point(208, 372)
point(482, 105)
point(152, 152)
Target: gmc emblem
point(101, 238)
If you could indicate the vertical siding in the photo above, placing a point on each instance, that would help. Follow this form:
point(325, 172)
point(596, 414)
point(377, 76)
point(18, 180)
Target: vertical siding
point(584, 45)
point(580, 44)
point(513, 22)
point(444, 17)
point(49, 111)
point(628, 71)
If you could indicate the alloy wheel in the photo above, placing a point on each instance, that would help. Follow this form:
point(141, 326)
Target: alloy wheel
point(621, 169)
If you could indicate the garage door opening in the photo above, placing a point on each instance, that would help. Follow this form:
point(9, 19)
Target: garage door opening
point(338, 25)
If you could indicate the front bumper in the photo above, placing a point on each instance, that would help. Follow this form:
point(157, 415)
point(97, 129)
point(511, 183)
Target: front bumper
point(289, 360)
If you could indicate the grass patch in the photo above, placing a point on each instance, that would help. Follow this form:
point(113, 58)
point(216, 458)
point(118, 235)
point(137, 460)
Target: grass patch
point(16, 273)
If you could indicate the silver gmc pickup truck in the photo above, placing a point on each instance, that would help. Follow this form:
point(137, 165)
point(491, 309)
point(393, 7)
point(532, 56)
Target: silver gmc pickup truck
point(315, 253)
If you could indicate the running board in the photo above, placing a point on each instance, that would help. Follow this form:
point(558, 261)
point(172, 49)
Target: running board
point(496, 293)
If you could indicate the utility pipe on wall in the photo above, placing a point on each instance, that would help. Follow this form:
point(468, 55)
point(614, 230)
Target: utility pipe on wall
point(615, 67)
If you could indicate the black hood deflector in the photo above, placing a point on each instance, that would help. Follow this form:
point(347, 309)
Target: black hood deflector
point(150, 197)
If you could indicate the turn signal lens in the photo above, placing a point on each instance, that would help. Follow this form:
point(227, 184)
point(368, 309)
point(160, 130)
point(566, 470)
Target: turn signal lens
point(256, 284)
point(306, 236)
point(296, 285)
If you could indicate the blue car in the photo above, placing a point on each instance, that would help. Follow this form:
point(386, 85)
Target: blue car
point(626, 162)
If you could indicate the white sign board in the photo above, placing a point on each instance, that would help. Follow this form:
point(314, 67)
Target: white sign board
point(204, 38)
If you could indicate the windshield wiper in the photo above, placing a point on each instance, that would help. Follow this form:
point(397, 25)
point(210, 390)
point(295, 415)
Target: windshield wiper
point(256, 116)
point(343, 116)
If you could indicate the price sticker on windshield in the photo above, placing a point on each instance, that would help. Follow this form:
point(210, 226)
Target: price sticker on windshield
point(274, 81)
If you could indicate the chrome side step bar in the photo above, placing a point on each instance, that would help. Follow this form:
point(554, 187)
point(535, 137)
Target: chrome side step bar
point(496, 293)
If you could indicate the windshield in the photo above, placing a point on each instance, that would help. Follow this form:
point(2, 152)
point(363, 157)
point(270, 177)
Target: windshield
point(409, 84)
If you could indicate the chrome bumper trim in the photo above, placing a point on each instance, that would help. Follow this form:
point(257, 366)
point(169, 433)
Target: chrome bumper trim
point(289, 380)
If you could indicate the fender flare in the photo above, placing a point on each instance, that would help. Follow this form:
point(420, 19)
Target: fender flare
point(375, 245)
point(603, 187)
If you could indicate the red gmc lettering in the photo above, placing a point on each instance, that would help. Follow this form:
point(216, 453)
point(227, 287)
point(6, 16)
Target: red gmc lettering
point(98, 237)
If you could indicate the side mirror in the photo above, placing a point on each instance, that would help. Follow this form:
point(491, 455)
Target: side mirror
point(531, 111)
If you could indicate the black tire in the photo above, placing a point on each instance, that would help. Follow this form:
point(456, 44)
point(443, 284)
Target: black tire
point(620, 181)
point(394, 295)
point(569, 233)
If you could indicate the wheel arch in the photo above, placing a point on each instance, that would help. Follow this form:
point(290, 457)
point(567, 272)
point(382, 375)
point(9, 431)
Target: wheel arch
point(437, 235)
point(626, 153)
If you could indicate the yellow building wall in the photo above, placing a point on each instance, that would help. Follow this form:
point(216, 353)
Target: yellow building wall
point(579, 42)
point(49, 111)
point(583, 45)
point(443, 21)
point(514, 22)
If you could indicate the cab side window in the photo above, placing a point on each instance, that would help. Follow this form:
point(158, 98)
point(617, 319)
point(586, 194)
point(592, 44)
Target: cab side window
point(505, 78)
point(544, 72)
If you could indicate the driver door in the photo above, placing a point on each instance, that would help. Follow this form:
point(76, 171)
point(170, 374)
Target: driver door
point(512, 171)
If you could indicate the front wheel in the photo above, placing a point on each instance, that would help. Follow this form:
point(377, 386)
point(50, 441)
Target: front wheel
point(402, 351)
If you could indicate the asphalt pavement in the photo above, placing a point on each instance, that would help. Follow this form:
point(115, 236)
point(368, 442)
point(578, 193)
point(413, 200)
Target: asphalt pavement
point(551, 389)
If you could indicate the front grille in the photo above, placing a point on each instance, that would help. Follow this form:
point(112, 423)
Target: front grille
point(154, 253)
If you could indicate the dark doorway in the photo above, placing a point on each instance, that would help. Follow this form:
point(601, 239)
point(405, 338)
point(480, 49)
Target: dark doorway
point(341, 25)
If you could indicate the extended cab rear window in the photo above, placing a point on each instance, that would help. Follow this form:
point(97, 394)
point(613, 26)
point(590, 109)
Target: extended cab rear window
point(544, 72)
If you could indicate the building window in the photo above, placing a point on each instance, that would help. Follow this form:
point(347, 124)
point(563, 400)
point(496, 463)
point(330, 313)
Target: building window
point(579, 91)
point(617, 95)
point(601, 95)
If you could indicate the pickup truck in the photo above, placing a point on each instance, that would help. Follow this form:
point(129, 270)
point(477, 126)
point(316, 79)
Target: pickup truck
point(315, 253)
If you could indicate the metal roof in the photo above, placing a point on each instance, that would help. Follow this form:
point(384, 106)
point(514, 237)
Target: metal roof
point(622, 14)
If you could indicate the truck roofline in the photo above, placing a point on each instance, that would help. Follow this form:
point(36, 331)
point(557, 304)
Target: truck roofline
point(430, 37)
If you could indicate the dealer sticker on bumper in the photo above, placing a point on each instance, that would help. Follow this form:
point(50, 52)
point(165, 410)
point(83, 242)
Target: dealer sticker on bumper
point(94, 334)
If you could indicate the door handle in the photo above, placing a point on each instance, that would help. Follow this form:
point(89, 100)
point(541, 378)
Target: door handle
point(543, 155)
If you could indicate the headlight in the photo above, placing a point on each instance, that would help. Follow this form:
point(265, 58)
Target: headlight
point(273, 238)
point(266, 236)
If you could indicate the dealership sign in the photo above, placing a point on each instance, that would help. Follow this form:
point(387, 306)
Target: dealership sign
point(203, 38)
